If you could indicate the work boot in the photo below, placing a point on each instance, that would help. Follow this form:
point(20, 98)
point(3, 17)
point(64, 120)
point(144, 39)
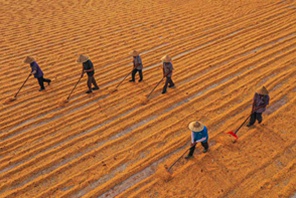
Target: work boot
point(188, 157)
point(140, 80)
point(89, 91)
point(95, 88)
point(132, 80)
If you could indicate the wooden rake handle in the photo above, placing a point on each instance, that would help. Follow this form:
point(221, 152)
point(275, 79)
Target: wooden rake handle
point(155, 87)
point(22, 85)
point(242, 125)
point(74, 88)
point(178, 159)
point(123, 80)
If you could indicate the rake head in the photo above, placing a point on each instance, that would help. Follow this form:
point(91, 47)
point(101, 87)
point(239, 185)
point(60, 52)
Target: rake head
point(233, 134)
point(113, 90)
point(63, 102)
point(164, 174)
point(169, 171)
point(9, 100)
point(144, 100)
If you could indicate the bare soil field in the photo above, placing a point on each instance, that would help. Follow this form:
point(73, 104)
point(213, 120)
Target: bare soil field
point(110, 144)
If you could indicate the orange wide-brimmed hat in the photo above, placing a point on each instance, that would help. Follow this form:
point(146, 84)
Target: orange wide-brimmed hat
point(166, 59)
point(134, 53)
point(82, 58)
point(262, 91)
point(196, 126)
point(29, 60)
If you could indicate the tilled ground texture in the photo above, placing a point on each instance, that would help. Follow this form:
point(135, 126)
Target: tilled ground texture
point(113, 144)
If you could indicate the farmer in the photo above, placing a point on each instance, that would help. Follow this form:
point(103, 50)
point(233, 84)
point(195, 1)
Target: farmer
point(167, 72)
point(260, 101)
point(138, 66)
point(36, 70)
point(87, 67)
point(199, 133)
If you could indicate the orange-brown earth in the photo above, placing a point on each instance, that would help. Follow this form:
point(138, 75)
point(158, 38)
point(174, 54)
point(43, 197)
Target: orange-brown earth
point(110, 144)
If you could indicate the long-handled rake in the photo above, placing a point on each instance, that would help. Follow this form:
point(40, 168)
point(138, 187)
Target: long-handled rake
point(235, 132)
point(147, 98)
point(67, 100)
point(121, 82)
point(154, 88)
point(14, 98)
point(169, 168)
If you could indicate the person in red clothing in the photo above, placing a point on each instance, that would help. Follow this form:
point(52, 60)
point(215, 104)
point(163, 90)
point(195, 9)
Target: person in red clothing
point(260, 101)
point(36, 70)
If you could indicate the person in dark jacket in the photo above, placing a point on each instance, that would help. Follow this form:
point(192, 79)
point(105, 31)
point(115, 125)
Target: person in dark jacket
point(88, 68)
point(36, 70)
point(199, 133)
point(137, 66)
point(260, 101)
point(167, 72)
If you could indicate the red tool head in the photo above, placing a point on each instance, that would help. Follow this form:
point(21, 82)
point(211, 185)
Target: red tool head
point(232, 134)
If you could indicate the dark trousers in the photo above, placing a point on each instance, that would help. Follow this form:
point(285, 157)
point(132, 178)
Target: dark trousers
point(255, 116)
point(134, 74)
point(204, 144)
point(91, 80)
point(41, 81)
point(168, 81)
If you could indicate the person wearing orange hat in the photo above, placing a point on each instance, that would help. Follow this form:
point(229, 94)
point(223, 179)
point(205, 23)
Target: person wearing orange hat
point(88, 68)
point(260, 101)
point(199, 133)
point(137, 66)
point(36, 70)
point(167, 72)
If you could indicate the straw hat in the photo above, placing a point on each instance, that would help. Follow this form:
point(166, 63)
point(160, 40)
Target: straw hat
point(262, 91)
point(82, 58)
point(134, 53)
point(166, 59)
point(29, 60)
point(196, 126)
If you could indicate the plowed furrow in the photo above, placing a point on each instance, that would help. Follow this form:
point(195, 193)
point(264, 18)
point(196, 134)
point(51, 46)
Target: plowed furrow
point(111, 144)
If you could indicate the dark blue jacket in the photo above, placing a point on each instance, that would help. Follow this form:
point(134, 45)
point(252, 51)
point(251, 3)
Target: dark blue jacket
point(35, 67)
